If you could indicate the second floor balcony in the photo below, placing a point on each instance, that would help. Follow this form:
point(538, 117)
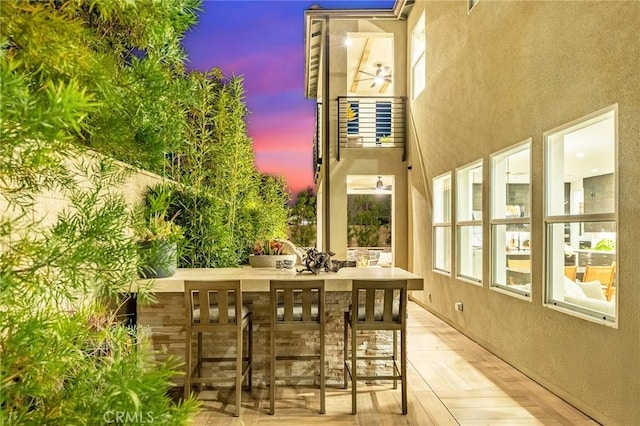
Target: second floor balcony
point(371, 122)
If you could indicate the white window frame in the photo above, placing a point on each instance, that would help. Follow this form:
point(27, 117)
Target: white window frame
point(499, 247)
point(441, 221)
point(418, 57)
point(465, 218)
point(551, 217)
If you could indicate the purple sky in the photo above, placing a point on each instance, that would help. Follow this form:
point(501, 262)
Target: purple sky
point(264, 42)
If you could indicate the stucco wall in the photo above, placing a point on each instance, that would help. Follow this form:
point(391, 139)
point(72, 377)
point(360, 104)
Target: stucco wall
point(364, 161)
point(49, 204)
point(496, 76)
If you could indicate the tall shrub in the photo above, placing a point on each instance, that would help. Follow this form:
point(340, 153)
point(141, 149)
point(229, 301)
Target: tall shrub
point(302, 219)
point(126, 55)
point(225, 191)
point(64, 357)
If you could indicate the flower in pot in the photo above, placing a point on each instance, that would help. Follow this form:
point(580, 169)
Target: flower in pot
point(158, 246)
point(267, 253)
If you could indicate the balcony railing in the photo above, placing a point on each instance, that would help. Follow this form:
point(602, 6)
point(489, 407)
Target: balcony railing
point(371, 122)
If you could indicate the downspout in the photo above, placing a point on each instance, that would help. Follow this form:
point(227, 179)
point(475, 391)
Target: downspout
point(326, 141)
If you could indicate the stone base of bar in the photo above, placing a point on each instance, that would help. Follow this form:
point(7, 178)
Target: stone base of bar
point(164, 322)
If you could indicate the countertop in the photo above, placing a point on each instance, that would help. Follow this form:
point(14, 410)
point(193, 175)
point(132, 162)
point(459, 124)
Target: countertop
point(257, 279)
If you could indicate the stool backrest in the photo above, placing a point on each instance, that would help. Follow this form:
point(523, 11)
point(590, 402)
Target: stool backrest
point(380, 304)
point(213, 305)
point(297, 302)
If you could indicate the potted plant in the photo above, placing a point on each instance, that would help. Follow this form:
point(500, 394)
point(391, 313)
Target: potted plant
point(266, 253)
point(158, 239)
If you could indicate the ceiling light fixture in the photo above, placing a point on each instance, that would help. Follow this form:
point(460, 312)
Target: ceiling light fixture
point(379, 184)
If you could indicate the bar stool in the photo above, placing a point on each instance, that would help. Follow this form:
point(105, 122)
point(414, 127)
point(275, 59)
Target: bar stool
point(381, 306)
point(213, 307)
point(297, 305)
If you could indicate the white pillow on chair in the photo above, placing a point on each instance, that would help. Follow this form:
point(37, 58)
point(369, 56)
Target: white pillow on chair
point(593, 289)
point(572, 289)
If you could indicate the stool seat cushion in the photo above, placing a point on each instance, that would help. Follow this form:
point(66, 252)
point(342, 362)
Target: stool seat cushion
point(214, 314)
point(297, 312)
point(378, 314)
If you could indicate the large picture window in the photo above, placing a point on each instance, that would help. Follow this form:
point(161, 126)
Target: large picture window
point(511, 219)
point(418, 57)
point(469, 222)
point(442, 223)
point(580, 216)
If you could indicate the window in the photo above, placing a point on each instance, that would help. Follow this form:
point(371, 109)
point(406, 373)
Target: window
point(442, 223)
point(383, 121)
point(418, 57)
point(510, 219)
point(469, 222)
point(580, 216)
point(353, 117)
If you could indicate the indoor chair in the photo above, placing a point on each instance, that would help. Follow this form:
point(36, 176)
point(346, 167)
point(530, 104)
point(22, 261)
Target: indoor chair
point(571, 272)
point(604, 274)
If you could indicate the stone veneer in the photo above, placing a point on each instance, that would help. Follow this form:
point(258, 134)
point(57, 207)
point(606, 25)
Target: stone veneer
point(165, 321)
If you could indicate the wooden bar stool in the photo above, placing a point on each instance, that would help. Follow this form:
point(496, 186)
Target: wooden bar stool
point(297, 305)
point(381, 306)
point(217, 307)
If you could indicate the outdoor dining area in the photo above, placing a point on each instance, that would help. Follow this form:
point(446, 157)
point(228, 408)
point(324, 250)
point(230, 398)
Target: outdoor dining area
point(263, 329)
point(267, 345)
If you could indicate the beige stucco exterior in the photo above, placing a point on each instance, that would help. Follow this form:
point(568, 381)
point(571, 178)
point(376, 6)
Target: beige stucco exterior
point(359, 161)
point(498, 75)
point(502, 73)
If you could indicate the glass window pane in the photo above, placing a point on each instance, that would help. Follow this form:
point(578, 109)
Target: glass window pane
point(470, 252)
point(580, 168)
point(510, 191)
point(418, 76)
point(469, 193)
point(442, 248)
point(581, 270)
point(418, 38)
point(511, 256)
point(442, 199)
point(418, 57)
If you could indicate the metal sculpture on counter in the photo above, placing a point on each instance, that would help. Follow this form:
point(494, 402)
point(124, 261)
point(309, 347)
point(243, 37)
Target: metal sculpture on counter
point(318, 261)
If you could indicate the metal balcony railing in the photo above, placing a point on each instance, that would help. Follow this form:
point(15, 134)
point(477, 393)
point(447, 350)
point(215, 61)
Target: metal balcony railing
point(371, 122)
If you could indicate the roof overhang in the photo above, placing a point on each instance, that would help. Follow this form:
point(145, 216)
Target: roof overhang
point(315, 30)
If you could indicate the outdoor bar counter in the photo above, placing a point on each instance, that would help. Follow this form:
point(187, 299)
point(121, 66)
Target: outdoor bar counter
point(257, 279)
point(165, 319)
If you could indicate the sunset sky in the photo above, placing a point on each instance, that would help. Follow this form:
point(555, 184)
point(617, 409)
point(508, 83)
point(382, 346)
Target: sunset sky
point(264, 42)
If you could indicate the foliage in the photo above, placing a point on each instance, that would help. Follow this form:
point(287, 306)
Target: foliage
point(152, 220)
point(271, 247)
point(65, 358)
point(605, 245)
point(302, 219)
point(157, 228)
point(367, 213)
point(270, 212)
point(229, 204)
point(206, 242)
point(124, 56)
